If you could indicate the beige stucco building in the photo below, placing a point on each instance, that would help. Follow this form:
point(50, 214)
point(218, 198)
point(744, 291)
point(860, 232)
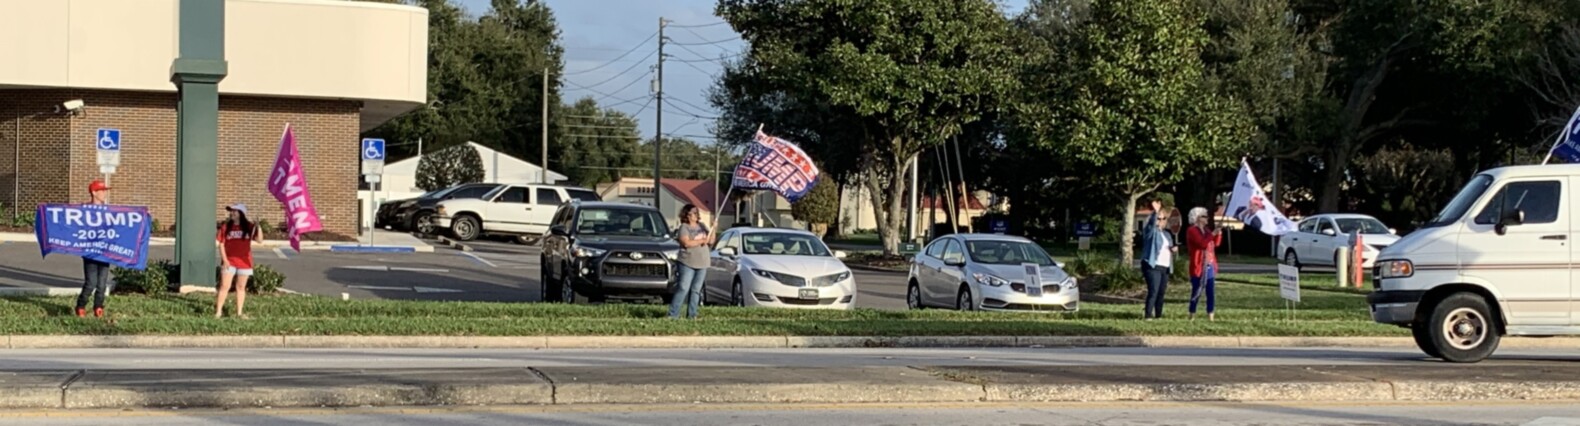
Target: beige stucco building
point(330, 68)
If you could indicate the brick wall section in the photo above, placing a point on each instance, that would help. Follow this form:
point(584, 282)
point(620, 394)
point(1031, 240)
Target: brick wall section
point(56, 169)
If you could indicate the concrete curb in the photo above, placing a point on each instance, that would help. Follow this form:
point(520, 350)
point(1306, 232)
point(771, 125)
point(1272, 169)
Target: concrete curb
point(38, 291)
point(727, 342)
point(453, 244)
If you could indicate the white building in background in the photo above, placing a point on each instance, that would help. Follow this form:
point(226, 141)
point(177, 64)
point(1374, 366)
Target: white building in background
point(400, 177)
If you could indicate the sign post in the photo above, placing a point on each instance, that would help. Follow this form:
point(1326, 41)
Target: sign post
point(107, 142)
point(373, 173)
point(1085, 231)
point(1289, 287)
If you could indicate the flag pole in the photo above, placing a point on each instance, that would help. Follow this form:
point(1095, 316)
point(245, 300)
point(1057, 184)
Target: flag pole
point(1561, 135)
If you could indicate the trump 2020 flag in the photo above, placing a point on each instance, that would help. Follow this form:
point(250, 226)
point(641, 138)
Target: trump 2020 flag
point(776, 165)
point(1568, 145)
point(288, 183)
point(1250, 205)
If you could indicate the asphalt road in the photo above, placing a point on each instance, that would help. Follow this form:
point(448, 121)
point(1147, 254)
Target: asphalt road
point(1189, 414)
point(133, 359)
point(498, 271)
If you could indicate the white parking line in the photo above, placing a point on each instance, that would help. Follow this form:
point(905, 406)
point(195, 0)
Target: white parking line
point(397, 268)
point(479, 259)
point(281, 253)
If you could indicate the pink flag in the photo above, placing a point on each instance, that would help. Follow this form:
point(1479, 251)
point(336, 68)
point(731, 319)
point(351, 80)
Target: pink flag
point(289, 185)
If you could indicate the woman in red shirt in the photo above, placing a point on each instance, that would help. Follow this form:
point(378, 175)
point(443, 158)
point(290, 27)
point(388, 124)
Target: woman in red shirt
point(1203, 243)
point(236, 236)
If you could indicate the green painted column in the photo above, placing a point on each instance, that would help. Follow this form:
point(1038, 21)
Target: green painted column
point(197, 73)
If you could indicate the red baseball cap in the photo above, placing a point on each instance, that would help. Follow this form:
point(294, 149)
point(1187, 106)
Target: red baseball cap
point(98, 185)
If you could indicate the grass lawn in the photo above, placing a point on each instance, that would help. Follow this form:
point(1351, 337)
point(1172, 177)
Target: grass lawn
point(1318, 282)
point(1250, 310)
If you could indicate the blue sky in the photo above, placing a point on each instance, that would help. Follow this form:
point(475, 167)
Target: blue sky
point(596, 32)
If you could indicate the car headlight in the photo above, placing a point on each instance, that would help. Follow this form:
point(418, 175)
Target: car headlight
point(786, 279)
point(580, 251)
point(842, 277)
point(986, 279)
point(1395, 269)
point(439, 209)
point(1068, 284)
point(672, 255)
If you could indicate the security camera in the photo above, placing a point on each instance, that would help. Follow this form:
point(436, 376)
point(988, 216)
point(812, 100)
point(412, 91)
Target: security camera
point(72, 106)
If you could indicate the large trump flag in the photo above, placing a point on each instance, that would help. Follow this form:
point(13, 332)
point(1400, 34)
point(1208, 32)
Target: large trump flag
point(776, 165)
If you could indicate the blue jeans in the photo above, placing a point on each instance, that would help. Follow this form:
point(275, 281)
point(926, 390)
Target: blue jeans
point(1204, 284)
point(1157, 283)
point(688, 291)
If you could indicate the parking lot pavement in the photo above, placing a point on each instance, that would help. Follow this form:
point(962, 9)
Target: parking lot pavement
point(494, 271)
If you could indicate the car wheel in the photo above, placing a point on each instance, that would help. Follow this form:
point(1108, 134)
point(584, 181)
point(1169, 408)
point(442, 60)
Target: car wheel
point(423, 223)
point(737, 296)
point(1463, 329)
point(913, 296)
point(964, 301)
point(1291, 259)
point(466, 228)
point(567, 290)
point(1423, 339)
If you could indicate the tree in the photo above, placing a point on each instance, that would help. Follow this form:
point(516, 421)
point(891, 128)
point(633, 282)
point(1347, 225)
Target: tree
point(820, 207)
point(684, 159)
point(449, 167)
point(1406, 184)
point(903, 74)
point(1125, 99)
point(599, 145)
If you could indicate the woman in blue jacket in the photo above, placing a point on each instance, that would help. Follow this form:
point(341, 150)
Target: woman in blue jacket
point(1157, 258)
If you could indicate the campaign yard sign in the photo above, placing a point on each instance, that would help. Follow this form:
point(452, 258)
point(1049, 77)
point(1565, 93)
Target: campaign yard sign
point(117, 235)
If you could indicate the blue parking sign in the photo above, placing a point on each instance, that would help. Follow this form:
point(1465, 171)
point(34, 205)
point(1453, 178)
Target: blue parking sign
point(108, 140)
point(373, 149)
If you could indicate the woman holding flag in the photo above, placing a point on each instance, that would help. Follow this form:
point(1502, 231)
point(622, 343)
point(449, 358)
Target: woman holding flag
point(1203, 241)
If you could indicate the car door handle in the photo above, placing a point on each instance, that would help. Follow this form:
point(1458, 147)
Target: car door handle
point(1555, 237)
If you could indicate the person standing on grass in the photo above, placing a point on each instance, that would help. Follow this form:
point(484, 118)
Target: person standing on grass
point(694, 238)
point(1157, 259)
point(95, 274)
point(1203, 243)
point(235, 252)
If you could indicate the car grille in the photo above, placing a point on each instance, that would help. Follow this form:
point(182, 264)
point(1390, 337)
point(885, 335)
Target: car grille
point(1021, 288)
point(806, 302)
point(825, 281)
point(1000, 304)
point(641, 255)
point(634, 270)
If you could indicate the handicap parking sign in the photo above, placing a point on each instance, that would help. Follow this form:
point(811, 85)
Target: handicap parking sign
point(108, 140)
point(373, 150)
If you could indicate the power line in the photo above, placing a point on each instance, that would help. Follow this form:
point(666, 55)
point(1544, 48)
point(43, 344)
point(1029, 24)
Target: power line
point(629, 101)
point(622, 88)
point(704, 72)
point(689, 104)
point(616, 59)
point(715, 24)
point(702, 58)
point(686, 114)
point(594, 126)
point(706, 43)
point(612, 78)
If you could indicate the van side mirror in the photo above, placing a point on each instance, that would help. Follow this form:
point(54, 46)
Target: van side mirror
point(1515, 217)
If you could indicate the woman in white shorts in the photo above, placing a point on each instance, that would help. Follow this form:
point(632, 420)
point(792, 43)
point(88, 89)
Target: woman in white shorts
point(235, 252)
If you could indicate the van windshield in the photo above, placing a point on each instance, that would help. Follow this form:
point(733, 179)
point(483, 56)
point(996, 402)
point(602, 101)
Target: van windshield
point(1461, 203)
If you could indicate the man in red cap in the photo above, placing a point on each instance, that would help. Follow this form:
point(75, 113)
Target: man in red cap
point(95, 274)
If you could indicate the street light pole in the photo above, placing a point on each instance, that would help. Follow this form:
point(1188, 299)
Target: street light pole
point(543, 169)
point(658, 120)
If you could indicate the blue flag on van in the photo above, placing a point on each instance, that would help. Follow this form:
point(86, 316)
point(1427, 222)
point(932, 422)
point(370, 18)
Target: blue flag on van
point(1568, 145)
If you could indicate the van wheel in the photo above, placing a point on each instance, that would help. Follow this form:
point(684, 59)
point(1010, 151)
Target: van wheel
point(1423, 339)
point(1462, 329)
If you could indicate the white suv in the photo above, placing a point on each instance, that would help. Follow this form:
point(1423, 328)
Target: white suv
point(1497, 261)
point(523, 211)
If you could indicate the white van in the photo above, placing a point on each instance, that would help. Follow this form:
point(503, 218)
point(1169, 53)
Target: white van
point(1495, 262)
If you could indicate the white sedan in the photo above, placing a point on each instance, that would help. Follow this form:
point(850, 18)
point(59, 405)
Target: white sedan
point(780, 268)
point(1320, 236)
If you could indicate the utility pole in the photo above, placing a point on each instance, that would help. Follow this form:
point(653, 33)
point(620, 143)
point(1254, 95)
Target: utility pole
point(910, 219)
point(1276, 203)
point(543, 169)
point(196, 74)
point(658, 118)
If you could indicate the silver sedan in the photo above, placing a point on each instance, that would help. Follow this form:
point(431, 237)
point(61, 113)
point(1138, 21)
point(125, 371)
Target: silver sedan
point(989, 272)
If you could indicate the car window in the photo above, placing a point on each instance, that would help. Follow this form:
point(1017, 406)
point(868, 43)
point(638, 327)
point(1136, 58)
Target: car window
point(953, 253)
point(724, 240)
point(472, 192)
point(783, 244)
point(583, 195)
point(1308, 226)
point(548, 197)
point(1539, 200)
point(513, 195)
point(1365, 225)
point(559, 216)
point(620, 221)
point(1004, 252)
point(1324, 225)
point(936, 250)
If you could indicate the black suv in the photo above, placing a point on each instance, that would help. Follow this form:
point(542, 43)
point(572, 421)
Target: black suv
point(416, 214)
point(600, 250)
